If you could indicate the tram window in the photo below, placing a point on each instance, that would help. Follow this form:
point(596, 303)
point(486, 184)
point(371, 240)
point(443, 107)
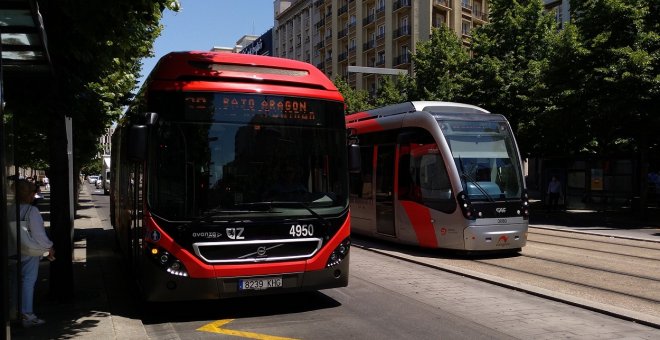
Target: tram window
point(423, 176)
point(361, 184)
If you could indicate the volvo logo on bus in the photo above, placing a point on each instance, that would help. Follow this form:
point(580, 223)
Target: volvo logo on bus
point(500, 210)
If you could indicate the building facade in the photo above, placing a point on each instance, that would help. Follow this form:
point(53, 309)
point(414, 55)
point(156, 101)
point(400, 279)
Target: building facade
point(560, 9)
point(336, 34)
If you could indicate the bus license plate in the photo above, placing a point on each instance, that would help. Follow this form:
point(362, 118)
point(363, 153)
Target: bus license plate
point(260, 284)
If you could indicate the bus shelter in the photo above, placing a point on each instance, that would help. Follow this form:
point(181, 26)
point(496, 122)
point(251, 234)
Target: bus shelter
point(24, 54)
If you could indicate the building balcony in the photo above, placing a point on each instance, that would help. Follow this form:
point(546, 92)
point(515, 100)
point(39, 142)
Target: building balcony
point(444, 4)
point(369, 45)
point(401, 60)
point(318, 3)
point(380, 39)
point(342, 56)
point(320, 44)
point(466, 6)
point(401, 4)
point(342, 10)
point(401, 31)
point(380, 11)
point(320, 23)
point(380, 62)
point(343, 33)
point(368, 20)
point(479, 15)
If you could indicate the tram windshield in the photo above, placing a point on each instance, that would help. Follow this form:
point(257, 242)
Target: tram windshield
point(486, 158)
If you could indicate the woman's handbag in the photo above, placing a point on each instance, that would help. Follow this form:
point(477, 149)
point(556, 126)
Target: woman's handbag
point(29, 246)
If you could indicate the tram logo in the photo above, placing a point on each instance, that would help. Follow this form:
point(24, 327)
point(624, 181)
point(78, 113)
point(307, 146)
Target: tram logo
point(261, 251)
point(503, 241)
point(500, 210)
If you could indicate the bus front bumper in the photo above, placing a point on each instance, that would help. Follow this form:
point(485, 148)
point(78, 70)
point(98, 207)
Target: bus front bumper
point(158, 285)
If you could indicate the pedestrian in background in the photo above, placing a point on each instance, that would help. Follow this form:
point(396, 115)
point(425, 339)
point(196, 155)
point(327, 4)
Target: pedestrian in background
point(554, 192)
point(25, 192)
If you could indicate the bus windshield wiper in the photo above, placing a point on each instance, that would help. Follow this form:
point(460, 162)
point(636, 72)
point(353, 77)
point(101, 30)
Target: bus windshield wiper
point(221, 212)
point(272, 204)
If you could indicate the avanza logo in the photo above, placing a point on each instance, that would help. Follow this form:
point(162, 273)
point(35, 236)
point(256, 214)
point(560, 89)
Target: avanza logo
point(500, 210)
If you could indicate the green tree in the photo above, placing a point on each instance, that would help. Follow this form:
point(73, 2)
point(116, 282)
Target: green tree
point(619, 72)
point(439, 64)
point(356, 100)
point(510, 58)
point(620, 78)
point(391, 91)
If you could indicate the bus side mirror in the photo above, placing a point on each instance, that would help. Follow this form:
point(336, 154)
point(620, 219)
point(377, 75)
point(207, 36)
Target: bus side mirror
point(354, 159)
point(137, 143)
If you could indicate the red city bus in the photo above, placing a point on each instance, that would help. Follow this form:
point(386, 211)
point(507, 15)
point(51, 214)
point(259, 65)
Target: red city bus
point(439, 175)
point(230, 179)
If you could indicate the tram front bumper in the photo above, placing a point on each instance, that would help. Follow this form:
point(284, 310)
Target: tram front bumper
point(488, 237)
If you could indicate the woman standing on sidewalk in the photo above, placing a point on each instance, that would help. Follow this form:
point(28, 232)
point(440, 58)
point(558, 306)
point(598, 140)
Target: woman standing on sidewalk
point(29, 264)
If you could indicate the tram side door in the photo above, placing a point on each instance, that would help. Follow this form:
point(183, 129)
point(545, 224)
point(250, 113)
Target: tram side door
point(385, 189)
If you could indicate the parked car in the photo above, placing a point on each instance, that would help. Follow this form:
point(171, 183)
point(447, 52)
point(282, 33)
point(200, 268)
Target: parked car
point(99, 183)
point(92, 179)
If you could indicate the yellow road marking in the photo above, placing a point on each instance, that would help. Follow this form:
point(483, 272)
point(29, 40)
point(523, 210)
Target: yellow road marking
point(216, 327)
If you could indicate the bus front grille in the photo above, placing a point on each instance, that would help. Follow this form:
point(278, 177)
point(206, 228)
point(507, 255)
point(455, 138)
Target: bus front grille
point(257, 250)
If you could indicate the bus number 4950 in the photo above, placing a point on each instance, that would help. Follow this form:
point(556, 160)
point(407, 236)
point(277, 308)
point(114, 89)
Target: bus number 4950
point(304, 230)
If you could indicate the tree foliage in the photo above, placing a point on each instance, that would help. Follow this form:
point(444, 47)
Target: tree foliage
point(510, 58)
point(390, 91)
point(439, 66)
point(618, 72)
point(96, 50)
point(355, 100)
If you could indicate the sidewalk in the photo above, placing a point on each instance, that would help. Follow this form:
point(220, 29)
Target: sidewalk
point(103, 307)
point(622, 224)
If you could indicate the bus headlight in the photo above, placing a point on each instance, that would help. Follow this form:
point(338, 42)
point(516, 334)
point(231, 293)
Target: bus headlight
point(166, 261)
point(339, 253)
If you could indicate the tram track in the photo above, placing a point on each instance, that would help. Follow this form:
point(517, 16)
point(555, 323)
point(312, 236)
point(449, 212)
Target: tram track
point(608, 274)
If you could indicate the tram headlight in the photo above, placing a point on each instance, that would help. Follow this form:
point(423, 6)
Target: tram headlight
point(339, 253)
point(466, 206)
point(166, 261)
point(525, 205)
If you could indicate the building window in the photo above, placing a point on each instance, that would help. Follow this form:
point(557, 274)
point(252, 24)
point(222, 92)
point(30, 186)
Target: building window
point(465, 27)
point(439, 19)
point(381, 31)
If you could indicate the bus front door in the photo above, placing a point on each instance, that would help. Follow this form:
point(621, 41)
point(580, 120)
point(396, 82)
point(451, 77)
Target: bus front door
point(384, 190)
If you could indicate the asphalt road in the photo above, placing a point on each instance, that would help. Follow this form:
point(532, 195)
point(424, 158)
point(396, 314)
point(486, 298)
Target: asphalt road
point(387, 298)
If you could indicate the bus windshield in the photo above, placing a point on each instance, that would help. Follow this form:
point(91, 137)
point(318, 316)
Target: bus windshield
point(219, 154)
point(486, 158)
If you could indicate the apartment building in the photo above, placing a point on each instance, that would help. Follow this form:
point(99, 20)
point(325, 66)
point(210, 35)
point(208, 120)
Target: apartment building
point(372, 34)
point(560, 9)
